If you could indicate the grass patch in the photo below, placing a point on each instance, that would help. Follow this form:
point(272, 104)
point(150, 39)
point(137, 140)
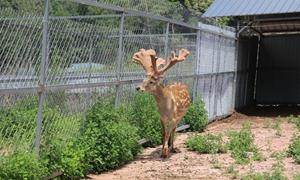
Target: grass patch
point(242, 145)
point(294, 149)
point(296, 176)
point(295, 120)
point(206, 144)
point(232, 171)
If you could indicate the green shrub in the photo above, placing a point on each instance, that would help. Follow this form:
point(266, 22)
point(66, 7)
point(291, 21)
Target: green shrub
point(145, 116)
point(196, 116)
point(207, 144)
point(241, 143)
point(21, 166)
point(108, 138)
point(68, 158)
point(294, 149)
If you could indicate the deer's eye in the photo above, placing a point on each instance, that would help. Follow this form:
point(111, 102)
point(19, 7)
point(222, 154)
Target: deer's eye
point(151, 82)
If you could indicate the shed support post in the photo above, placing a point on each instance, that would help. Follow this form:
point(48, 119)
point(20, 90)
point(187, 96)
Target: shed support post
point(237, 44)
point(256, 68)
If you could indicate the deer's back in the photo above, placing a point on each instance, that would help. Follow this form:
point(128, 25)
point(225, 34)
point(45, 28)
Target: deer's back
point(180, 95)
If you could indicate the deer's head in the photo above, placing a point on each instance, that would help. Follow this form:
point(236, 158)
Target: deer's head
point(152, 66)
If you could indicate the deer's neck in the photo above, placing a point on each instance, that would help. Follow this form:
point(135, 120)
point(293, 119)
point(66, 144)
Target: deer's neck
point(159, 93)
point(161, 98)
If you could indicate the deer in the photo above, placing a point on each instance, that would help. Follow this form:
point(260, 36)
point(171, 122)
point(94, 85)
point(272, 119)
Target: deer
point(172, 100)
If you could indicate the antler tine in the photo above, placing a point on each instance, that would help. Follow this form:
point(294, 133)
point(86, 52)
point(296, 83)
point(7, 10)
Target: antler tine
point(144, 58)
point(183, 53)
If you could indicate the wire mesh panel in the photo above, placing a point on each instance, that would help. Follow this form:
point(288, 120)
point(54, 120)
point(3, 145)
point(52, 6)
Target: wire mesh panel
point(20, 40)
point(18, 113)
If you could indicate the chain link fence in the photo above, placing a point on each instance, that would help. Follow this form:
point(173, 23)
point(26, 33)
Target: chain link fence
point(53, 68)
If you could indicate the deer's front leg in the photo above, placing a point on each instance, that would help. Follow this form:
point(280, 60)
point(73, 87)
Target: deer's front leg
point(171, 140)
point(166, 138)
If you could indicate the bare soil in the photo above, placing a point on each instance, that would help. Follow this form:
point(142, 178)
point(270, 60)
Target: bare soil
point(191, 165)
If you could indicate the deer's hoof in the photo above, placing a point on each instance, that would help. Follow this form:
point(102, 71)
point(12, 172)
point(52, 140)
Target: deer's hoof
point(165, 153)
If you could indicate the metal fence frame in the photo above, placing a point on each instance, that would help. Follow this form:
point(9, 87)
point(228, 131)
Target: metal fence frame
point(196, 75)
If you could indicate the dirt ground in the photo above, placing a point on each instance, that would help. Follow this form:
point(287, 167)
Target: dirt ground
point(191, 165)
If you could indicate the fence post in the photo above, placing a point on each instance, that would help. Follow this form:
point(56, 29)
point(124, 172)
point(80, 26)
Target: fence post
point(119, 60)
point(196, 72)
point(42, 79)
point(90, 68)
point(167, 40)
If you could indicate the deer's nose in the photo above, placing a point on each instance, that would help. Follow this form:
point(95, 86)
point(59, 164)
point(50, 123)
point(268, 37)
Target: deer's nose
point(137, 88)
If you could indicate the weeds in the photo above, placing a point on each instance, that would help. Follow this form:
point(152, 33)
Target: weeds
point(297, 176)
point(294, 149)
point(274, 124)
point(277, 127)
point(267, 123)
point(231, 170)
point(242, 145)
point(279, 154)
point(215, 162)
point(294, 120)
point(206, 144)
point(275, 174)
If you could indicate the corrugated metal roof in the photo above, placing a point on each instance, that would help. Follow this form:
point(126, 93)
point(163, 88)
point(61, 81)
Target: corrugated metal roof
point(251, 7)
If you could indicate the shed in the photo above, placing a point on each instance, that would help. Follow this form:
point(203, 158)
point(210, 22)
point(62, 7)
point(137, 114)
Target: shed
point(268, 63)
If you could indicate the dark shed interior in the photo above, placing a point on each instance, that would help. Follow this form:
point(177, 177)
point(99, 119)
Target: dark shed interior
point(268, 64)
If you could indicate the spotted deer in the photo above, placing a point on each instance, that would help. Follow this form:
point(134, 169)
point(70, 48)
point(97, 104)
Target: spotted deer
point(172, 100)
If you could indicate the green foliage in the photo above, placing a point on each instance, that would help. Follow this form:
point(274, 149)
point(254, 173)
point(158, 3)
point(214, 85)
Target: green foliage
point(66, 157)
point(207, 144)
point(197, 6)
point(21, 166)
point(297, 176)
point(241, 143)
point(294, 149)
point(231, 170)
point(275, 174)
point(297, 122)
point(145, 116)
point(109, 139)
point(196, 116)
point(264, 176)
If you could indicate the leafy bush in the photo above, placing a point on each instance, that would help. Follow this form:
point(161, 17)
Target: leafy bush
point(209, 144)
point(196, 116)
point(241, 143)
point(145, 116)
point(21, 166)
point(109, 139)
point(68, 158)
point(294, 149)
